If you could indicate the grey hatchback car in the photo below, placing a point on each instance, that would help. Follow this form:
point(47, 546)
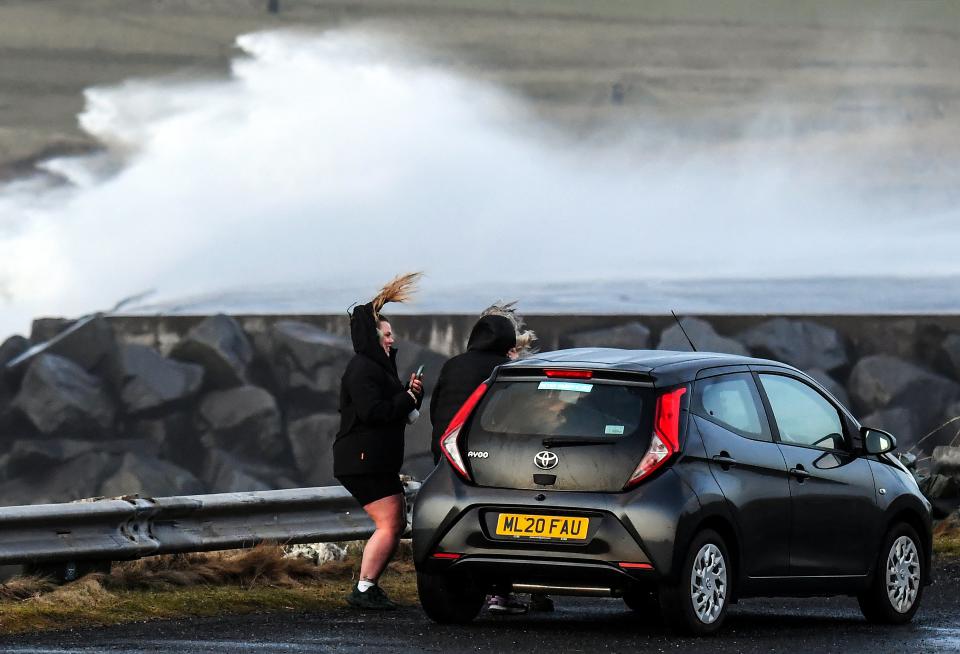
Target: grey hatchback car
point(679, 481)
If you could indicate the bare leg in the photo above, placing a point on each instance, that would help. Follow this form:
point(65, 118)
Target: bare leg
point(388, 517)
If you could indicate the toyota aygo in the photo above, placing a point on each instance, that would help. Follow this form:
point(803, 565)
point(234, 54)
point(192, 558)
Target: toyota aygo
point(678, 481)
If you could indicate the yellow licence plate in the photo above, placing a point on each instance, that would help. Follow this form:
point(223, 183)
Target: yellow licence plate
point(542, 526)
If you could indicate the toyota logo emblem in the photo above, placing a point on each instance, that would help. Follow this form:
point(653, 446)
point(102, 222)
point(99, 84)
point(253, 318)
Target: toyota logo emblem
point(546, 460)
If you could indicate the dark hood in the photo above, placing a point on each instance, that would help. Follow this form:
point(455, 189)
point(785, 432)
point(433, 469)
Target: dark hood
point(363, 333)
point(492, 334)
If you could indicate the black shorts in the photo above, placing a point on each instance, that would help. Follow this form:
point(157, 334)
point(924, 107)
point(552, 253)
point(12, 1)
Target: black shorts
point(373, 487)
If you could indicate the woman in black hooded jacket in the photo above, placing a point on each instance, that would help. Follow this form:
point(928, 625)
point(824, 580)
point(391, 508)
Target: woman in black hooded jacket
point(491, 338)
point(368, 451)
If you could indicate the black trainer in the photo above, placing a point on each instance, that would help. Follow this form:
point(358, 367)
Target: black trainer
point(373, 599)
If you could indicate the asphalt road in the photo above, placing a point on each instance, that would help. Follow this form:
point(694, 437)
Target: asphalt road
point(577, 625)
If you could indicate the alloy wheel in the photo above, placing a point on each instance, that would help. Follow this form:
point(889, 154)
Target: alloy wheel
point(708, 583)
point(903, 574)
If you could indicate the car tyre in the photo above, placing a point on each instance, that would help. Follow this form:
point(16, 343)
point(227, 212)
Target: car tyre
point(696, 603)
point(449, 600)
point(897, 585)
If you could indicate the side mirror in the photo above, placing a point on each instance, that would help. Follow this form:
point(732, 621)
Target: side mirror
point(877, 441)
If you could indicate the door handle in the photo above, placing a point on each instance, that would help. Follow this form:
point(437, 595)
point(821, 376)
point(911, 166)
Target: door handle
point(725, 460)
point(799, 473)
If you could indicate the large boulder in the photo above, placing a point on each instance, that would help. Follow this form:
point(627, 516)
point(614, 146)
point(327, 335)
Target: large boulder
point(631, 336)
point(13, 347)
point(244, 421)
point(61, 399)
point(308, 362)
point(929, 350)
point(311, 440)
point(226, 473)
point(800, 343)
point(151, 383)
point(35, 455)
point(45, 329)
point(148, 476)
point(704, 337)
point(220, 345)
point(172, 436)
point(89, 342)
point(832, 385)
point(882, 381)
point(946, 460)
point(940, 487)
point(892, 337)
point(75, 479)
point(951, 352)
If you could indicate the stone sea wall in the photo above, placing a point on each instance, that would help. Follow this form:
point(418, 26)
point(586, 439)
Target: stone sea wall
point(166, 405)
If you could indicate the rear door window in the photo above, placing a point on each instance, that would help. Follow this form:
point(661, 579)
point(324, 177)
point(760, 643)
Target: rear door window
point(803, 416)
point(733, 402)
point(564, 408)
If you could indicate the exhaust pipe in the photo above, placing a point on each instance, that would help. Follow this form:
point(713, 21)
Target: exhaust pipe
point(585, 591)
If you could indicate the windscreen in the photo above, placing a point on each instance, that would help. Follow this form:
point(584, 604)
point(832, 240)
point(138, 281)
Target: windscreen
point(563, 408)
point(597, 430)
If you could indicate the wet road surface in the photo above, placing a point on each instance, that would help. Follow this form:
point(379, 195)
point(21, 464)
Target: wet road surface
point(577, 625)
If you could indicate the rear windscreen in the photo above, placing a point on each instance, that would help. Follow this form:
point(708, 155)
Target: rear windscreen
point(565, 408)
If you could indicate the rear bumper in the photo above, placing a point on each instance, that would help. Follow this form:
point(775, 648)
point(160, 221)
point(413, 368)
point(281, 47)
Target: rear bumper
point(640, 527)
point(560, 577)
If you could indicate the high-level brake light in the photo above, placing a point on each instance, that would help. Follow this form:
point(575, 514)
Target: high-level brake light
point(569, 374)
point(666, 436)
point(448, 442)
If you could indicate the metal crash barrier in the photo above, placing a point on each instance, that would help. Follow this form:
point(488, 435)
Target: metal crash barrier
point(134, 527)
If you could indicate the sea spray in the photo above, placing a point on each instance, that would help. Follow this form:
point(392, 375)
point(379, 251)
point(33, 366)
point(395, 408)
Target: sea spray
point(339, 158)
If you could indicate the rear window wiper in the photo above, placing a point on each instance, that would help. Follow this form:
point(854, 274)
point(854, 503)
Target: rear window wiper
point(555, 441)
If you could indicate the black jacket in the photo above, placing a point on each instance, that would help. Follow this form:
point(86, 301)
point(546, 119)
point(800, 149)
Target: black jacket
point(374, 405)
point(487, 348)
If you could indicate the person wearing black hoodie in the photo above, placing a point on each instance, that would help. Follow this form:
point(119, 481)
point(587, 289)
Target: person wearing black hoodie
point(494, 340)
point(368, 450)
point(490, 340)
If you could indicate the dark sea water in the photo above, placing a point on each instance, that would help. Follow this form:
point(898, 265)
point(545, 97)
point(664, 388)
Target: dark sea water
point(867, 295)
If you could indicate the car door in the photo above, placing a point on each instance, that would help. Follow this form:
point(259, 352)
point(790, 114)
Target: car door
point(834, 509)
point(748, 467)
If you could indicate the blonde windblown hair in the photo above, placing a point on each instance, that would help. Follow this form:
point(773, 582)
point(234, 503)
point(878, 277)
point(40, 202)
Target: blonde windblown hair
point(399, 289)
point(525, 337)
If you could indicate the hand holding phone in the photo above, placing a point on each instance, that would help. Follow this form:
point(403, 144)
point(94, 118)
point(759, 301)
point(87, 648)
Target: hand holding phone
point(416, 385)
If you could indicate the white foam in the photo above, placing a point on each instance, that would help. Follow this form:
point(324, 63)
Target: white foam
point(339, 158)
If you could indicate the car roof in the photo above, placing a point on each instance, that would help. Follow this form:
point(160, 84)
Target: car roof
point(653, 362)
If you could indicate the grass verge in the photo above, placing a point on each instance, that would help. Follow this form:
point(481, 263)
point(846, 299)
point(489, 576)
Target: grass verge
point(946, 536)
point(193, 585)
point(220, 583)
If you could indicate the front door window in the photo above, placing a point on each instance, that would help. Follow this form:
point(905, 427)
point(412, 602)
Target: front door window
point(803, 416)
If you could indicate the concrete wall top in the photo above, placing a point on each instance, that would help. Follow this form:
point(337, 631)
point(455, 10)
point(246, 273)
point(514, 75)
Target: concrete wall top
point(447, 333)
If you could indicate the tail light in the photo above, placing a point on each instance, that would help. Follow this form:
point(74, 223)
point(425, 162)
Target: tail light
point(666, 436)
point(627, 565)
point(447, 556)
point(448, 442)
